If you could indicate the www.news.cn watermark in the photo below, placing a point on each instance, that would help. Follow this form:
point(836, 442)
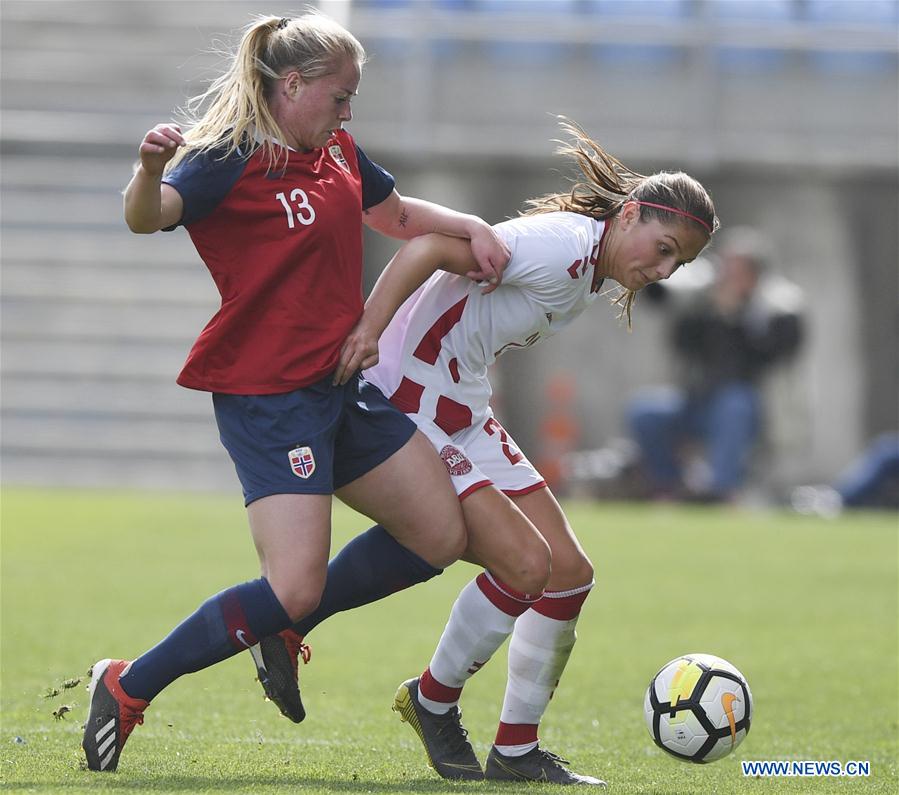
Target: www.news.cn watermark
point(805, 767)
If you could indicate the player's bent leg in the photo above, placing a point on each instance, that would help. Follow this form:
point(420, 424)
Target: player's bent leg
point(541, 644)
point(571, 568)
point(424, 536)
point(484, 613)
point(292, 533)
point(504, 541)
point(292, 536)
point(482, 617)
point(370, 567)
point(222, 626)
point(444, 738)
point(410, 495)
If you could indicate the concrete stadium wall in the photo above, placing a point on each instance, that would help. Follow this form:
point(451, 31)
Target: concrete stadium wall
point(96, 322)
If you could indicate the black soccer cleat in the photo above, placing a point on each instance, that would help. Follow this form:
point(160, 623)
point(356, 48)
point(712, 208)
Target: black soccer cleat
point(443, 736)
point(112, 714)
point(277, 666)
point(535, 765)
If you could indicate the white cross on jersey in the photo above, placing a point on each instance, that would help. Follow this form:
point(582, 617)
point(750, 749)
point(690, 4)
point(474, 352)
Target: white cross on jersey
point(435, 353)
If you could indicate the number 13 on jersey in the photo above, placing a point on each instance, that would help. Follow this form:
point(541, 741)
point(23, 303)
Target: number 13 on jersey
point(297, 208)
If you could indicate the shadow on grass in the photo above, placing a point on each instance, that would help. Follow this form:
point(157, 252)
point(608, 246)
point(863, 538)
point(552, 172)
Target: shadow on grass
point(117, 781)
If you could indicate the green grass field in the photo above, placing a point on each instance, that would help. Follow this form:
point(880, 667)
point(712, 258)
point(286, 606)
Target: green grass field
point(806, 608)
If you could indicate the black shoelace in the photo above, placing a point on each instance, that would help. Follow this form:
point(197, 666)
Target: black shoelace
point(555, 759)
point(458, 734)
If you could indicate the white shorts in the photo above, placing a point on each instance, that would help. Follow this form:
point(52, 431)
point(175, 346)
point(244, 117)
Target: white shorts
point(482, 454)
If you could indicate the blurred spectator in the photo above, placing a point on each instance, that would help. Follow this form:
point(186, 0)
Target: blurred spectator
point(729, 326)
point(870, 481)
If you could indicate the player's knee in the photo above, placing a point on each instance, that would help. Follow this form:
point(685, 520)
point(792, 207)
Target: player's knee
point(578, 571)
point(451, 549)
point(447, 543)
point(586, 571)
point(298, 600)
point(530, 570)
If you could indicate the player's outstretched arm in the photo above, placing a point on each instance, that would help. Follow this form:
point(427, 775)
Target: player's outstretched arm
point(404, 218)
point(405, 273)
point(149, 204)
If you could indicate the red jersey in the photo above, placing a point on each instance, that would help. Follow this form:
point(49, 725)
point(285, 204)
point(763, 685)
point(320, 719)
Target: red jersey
point(284, 248)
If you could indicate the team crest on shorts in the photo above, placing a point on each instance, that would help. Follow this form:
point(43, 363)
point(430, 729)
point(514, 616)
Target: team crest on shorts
point(337, 153)
point(456, 461)
point(302, 462)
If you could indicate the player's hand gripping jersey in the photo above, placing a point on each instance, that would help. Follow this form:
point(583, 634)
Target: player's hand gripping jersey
point(435, 353)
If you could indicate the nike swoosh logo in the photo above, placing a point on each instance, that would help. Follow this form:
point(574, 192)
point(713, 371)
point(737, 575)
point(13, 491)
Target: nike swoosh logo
point(519, 775)
point(242, 638)
point(727, 703)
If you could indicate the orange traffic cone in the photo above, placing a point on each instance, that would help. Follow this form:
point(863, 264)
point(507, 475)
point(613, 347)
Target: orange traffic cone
point(559, 431)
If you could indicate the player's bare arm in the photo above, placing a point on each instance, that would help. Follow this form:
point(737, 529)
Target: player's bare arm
point(404, 218)
point(151, 205)
point(410, 267)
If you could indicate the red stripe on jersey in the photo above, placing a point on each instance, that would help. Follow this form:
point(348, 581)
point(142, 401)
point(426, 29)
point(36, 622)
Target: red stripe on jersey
point(454, 369)
point(572, 269)
point(516, 733)
point(407, 397)
point(429, 348)
point(501, 596)
point(452, 416)
point(472, 489)
point(430, 688)
point(526, 490)
point(562, 608)
point(594, 258)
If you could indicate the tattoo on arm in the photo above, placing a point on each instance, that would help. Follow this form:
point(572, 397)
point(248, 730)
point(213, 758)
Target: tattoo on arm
point(404, 218)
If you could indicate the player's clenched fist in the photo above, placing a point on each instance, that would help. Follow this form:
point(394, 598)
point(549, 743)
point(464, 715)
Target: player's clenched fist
point(159, 146)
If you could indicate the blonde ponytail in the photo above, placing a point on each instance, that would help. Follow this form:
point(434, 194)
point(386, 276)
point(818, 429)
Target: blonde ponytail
point(233, 114)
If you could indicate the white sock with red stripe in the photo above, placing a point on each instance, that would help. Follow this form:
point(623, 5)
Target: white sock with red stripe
point(482, 617)
point(540, 647)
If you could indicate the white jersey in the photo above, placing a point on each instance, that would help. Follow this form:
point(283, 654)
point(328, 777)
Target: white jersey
point(435, 353)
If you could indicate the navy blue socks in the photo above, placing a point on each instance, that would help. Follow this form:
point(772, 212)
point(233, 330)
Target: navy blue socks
point(224, 625)
point(371, 566)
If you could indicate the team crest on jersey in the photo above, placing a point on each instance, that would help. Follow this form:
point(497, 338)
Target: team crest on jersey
point(302, 462)
point(337, 154)
point(456, 461)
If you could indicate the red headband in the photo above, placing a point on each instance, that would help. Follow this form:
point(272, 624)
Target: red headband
point(674, 210)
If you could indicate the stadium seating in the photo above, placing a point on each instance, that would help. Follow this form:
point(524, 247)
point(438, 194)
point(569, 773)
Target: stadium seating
point(96, 321)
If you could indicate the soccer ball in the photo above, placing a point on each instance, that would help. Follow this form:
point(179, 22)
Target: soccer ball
point(698, 708)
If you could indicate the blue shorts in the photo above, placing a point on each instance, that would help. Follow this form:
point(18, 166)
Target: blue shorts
point(313, 440)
